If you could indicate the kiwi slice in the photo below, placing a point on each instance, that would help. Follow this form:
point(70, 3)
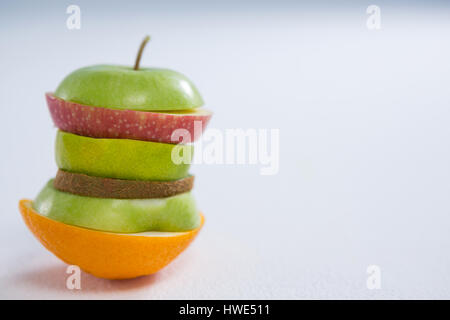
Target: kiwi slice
point(98, 187)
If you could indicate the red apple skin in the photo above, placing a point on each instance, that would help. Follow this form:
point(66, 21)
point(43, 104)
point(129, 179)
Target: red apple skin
point(99, 122)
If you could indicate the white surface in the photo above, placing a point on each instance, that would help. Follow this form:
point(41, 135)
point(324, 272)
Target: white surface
point(364, 162)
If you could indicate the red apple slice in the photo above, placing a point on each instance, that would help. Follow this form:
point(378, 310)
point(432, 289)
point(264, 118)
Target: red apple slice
point(97, 122)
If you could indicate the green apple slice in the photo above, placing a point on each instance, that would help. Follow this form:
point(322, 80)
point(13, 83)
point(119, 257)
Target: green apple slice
point(172, 214)
point(121, 87)
point(121, 158)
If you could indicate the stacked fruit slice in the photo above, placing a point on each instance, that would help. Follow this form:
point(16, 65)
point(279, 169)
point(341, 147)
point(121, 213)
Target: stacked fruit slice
point(119, 206)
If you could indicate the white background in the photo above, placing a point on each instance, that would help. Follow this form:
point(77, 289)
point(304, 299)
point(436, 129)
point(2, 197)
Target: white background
point(364, 144)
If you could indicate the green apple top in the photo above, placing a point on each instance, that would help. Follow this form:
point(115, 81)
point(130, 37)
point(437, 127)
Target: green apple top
point(122, 87)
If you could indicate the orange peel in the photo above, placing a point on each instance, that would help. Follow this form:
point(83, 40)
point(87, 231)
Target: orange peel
point(104, 254)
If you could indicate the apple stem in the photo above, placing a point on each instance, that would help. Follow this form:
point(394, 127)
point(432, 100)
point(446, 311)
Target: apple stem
point(141, 49)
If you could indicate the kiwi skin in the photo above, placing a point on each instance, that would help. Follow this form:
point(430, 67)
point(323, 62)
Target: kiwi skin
point(99, 187)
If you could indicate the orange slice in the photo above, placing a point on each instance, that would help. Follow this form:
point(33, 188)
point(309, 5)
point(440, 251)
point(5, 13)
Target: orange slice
point(107, 255)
